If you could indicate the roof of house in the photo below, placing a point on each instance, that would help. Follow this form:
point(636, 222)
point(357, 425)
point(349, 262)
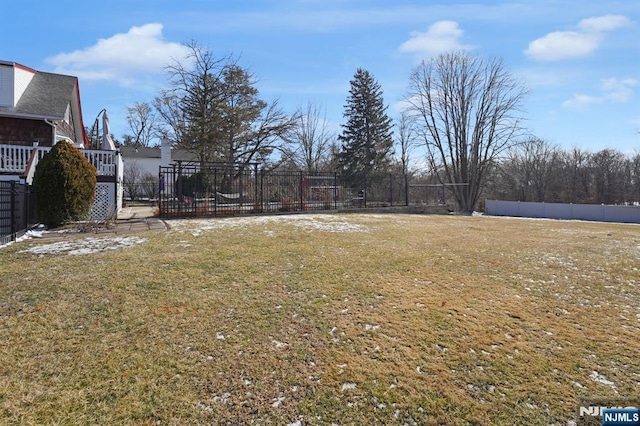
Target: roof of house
point(139, 152)
point(47, 95)
point(146, 152)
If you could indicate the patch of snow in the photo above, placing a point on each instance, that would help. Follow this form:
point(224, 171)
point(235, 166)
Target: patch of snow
point(599, 378)
point(36, 232)
point(202, 406)
point(278, 344)
point(278, 402)
point(85, 246)
point(347, 386)
point(223, 398)
point(308, 223)
point(371, 327)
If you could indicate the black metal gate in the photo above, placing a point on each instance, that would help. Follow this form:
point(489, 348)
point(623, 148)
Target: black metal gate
point(17, 210)
point(219, 189)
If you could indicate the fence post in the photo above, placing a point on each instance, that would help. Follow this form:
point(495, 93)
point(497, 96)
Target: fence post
point(241, 189)
point(13, 211)
point(301, 192)
point(255, 188)
point(215, 188)
point(391, 189)
point(335, 190)
point(179, 188)
point(24, 206)
point(406, 189)
point(364, 192)
point(261, 190)
point(160, 188)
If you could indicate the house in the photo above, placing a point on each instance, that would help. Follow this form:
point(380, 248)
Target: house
point(142, 167)
point(140, 161)
point(39, 109)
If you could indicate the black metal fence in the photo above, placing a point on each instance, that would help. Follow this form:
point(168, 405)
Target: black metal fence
point(17, 210)
point(216, 189)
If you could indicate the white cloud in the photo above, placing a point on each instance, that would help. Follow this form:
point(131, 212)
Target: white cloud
point(442, 36)
point(604, 23)
point(142, 50)
point(575, 44)
point(619, 90)
point(613, 91)
point(580, 101)
point(562, 45)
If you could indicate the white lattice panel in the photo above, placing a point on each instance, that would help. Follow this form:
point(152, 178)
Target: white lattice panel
point(104, 204)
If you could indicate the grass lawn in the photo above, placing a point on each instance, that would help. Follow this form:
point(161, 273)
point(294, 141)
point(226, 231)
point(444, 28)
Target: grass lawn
point(321, 319)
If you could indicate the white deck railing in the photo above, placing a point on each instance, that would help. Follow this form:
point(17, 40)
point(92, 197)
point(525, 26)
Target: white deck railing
point(15, 159)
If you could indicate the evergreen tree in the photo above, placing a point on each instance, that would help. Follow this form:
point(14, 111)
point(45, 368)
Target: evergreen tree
point(65, 185)
point(366, 139)
point(213, 110)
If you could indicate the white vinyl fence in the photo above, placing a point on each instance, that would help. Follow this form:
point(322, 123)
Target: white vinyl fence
point(595, 212)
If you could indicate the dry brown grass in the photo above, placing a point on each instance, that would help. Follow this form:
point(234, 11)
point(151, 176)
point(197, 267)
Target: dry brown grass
point(349, 319)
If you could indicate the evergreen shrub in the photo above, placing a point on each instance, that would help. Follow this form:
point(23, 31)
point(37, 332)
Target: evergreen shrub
point(65, 185)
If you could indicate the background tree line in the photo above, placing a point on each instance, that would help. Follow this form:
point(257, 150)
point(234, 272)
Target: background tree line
point(460, 124)
point(538, 171)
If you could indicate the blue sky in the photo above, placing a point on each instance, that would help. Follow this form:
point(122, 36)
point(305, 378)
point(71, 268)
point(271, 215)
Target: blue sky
point(579, 59)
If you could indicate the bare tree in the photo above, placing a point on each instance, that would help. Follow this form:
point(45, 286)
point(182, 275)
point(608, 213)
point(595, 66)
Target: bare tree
point(143, 123)
point(190, 107)
point(309, 141)
point(531, 166)
point(577, 176)
point(214, 111)
point(173, 123)
point(465, 109)
point(608, 167)
point(406, 139)
point(635, 177)
point(131, 180)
